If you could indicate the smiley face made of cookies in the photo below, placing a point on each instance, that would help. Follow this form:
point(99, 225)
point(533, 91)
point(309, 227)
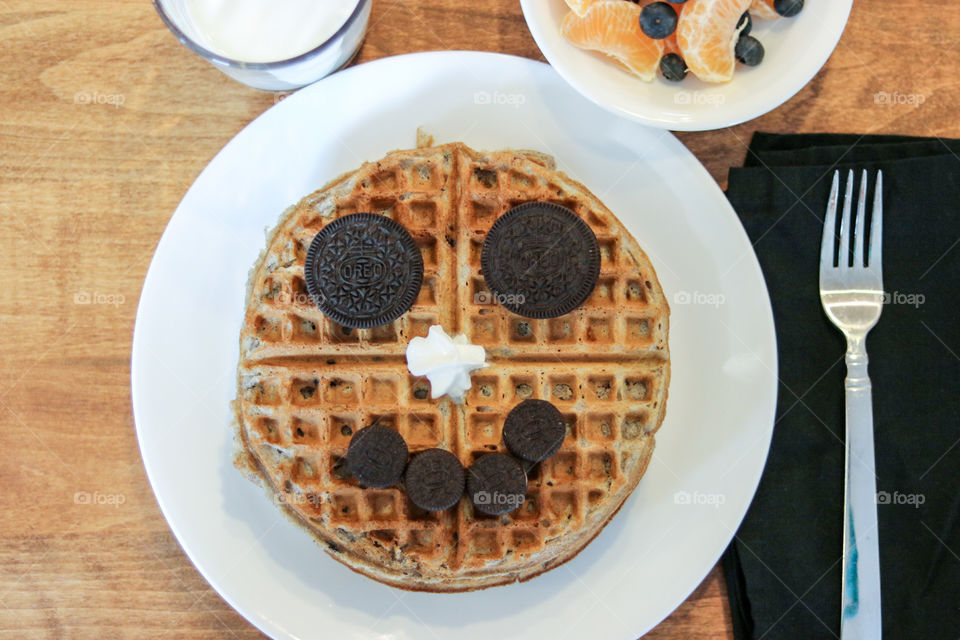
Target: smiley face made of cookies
point(473, 480)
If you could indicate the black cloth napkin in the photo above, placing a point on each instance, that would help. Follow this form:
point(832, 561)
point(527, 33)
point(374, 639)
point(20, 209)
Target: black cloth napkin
point(783, 567)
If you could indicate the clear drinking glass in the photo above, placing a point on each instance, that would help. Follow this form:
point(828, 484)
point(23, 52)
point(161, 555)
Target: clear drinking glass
point(282, 75)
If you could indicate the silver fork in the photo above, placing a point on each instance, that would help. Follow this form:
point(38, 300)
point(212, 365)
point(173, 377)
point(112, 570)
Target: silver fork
point(852, 297)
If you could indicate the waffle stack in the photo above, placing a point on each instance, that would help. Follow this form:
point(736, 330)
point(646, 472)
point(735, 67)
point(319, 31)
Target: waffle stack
point(306, 384)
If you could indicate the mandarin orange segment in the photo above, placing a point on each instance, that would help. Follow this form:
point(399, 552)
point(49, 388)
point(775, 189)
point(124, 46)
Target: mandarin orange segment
point(763, 9)
point(707, 34)
point(613, 27)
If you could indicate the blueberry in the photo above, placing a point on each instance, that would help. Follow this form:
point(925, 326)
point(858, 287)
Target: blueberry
point(658, 20)
point(673, 67)
point(749, 51)
point(745, 18)
point(788, 8)
point(676, 1)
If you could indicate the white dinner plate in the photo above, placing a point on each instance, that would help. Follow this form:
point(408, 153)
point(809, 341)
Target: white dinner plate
point(795, 50)
point(710, 449)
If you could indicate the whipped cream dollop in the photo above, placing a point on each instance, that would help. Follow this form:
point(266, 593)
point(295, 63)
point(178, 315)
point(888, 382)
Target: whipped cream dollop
point(445, 361)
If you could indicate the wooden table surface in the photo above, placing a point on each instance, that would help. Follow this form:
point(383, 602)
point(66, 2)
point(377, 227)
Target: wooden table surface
point(85, 192)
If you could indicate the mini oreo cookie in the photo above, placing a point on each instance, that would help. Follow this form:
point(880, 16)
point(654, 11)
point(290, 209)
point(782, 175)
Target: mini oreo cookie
point(363, 270)
point(540, 260)
point(376, 456)
point(534, 430)
point(434, 479)
point(496, 484)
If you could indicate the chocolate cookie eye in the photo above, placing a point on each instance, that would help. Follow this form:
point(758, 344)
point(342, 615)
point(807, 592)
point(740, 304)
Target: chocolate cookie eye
point(434, 479)
point(534, 430)
point(376, 456)
point(496, 484)
point(540, 260)
point(363, 270)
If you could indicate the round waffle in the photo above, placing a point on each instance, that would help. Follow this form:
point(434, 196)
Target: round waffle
point(306, 384)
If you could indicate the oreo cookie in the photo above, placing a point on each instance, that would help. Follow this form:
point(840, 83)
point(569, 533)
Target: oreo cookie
point(376, 456)
point(534, 430)
point(496, 484)
point(434, 479)
point(363, 270)
point(540, 260)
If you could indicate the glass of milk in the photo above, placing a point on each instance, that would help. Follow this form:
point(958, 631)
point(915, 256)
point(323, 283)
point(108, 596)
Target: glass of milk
point(275, 45)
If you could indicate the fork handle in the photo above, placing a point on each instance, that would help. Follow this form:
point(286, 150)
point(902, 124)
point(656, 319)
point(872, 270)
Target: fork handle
point(860, 614)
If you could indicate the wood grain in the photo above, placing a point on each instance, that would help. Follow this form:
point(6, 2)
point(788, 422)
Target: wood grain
point(85, 192)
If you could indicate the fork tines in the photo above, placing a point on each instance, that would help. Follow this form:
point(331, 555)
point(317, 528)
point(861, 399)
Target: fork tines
point(830, 257)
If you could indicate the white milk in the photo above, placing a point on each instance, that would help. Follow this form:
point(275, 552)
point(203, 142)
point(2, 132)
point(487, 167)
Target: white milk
point(266, 30)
